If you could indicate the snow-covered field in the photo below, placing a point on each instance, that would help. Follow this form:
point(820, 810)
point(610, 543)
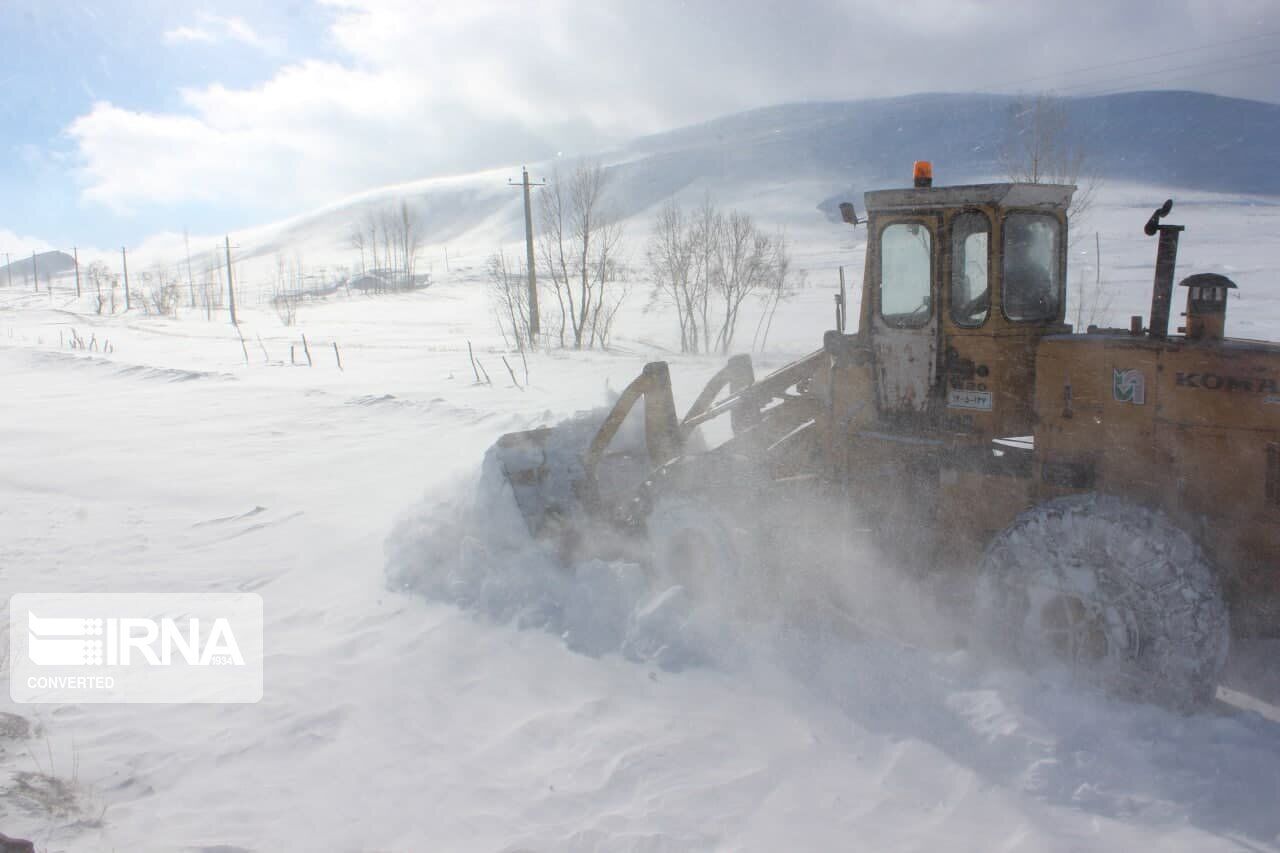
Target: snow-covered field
point(541, 713)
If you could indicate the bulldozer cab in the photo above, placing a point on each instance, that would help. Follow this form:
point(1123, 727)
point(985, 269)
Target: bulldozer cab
point(960, 284)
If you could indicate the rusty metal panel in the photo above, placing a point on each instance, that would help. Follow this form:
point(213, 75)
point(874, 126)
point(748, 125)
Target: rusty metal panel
point(906, 361)
point(1185, 427)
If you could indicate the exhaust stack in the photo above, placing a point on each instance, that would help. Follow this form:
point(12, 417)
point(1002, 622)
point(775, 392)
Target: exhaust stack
point(1166, 260)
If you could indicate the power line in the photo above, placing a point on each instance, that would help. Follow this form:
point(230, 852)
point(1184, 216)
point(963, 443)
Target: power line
point(1179, 51)
point(1245, 67)
point(1107, 81)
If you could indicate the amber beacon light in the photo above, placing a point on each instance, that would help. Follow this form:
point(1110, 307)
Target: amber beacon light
point(923, 171)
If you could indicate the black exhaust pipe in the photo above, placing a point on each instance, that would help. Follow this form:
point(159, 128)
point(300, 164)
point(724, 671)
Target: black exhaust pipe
point(1166, 260)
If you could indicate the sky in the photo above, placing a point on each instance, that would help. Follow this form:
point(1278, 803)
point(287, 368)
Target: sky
point(125, 118)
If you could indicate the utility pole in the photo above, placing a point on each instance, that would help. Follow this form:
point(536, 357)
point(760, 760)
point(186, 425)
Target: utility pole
point(75, 254)
point(231, 291)
point(8, 265)
point(528, 248)
point(191, 288)
point(124, 260)
point(34, 271)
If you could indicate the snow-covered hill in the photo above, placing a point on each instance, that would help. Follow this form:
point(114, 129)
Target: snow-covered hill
point(782, 163)
point(37, 266)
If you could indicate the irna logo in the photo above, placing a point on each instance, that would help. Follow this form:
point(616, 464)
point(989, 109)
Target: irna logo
point(73, 641)
point(135, 647)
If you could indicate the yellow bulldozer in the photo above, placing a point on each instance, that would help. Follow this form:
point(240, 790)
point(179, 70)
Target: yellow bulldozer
point(1114, 493)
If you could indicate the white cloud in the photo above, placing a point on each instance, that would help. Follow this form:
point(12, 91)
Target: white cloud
point(17, 247)
point(187, 34)
point(213, 29)
point(430, 88)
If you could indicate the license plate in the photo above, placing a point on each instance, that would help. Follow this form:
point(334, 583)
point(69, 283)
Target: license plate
point(979, 400)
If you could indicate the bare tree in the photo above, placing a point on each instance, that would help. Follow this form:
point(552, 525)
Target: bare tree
point(708, 264)
point(389, 240)
point(160, 292)
point(98, 275)
point(408, 242)
point(1043, 148)
point(707, 227)
point(1092, 299)
point(509, 292)
point(578, 242)
point(286, 290)
point(379, 257)
point(554, 249)
point(672, 255)
point(780, 285)
point(358, 243)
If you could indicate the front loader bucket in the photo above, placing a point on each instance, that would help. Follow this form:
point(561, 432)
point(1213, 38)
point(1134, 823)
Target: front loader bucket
point(522, 457)
point(589, 468)
point(584, 467)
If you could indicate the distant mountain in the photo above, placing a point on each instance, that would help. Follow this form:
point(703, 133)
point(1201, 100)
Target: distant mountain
point(46, 265)
point(1171, 140)
point(1187, 140)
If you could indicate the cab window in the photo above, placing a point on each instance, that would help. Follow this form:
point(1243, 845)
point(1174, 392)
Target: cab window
point(970, 279)
point(1032, 289)
point(906, 253)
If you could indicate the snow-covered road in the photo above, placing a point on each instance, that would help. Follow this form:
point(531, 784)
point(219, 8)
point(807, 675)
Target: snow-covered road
point(394, 723)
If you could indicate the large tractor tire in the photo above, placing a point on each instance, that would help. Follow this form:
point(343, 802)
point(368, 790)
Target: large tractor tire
point(695, 544)
point(1113, 591)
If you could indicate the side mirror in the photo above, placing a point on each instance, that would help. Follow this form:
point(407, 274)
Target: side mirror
point(848, 214)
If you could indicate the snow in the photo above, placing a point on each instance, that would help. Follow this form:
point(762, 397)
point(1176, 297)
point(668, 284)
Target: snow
point(434, 680)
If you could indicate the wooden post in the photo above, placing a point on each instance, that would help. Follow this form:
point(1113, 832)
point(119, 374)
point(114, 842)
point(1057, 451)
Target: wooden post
point(306, 349)
point(124, 261)
point(243, 346)
point(75, 253)
point(512, 372)
point(35, 272)
point(473, 362)
point(528, 247)
point(529, 260)
point(842, 312)
point(191, 286)
point(337, 355)
point(1097, 261)
point(231, 290)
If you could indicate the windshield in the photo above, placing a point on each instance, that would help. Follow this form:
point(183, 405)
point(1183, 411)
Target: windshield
point(1032, 290)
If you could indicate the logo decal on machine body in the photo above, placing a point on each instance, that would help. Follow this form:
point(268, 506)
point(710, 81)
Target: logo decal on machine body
point(1128, 386)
